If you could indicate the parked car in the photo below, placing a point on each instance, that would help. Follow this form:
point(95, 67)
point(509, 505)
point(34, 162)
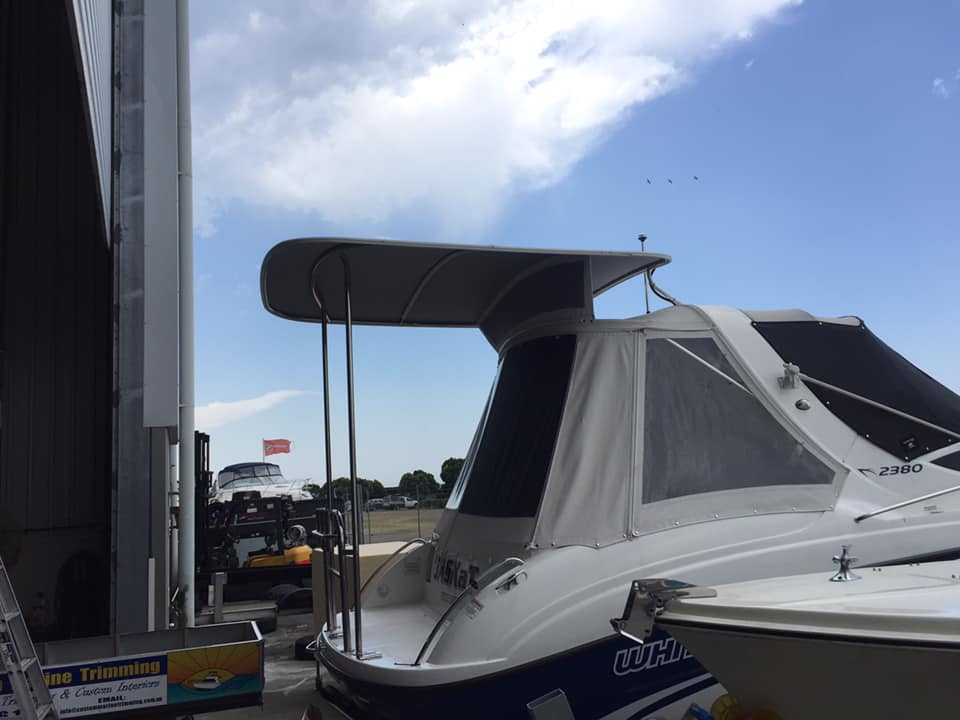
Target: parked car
point(376, 504)
point(399, 502)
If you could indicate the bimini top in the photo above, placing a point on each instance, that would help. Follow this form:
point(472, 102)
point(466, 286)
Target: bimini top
point(492, 288)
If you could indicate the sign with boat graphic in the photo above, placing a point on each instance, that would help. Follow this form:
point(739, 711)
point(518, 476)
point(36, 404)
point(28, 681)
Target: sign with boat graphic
point(200, 673)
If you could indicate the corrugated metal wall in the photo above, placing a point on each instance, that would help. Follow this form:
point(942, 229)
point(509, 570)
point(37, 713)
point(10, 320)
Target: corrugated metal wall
point(55, 324)
point(94, 23)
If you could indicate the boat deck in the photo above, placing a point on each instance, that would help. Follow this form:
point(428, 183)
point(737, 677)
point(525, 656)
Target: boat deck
point(400, 630)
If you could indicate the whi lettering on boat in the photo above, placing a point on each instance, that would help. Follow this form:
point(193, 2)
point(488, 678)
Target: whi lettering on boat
point(454, 572)
point(649, 655)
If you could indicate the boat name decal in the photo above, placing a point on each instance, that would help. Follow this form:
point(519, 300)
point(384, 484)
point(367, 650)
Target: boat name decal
point(454, 572)
point(649, 655)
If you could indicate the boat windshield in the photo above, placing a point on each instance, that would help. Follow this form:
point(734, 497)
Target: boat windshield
point(255, 481)
point(506, 471)
point(251, 476)
point(854, 359)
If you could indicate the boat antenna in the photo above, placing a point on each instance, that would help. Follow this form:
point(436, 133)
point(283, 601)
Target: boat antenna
point(646, 287)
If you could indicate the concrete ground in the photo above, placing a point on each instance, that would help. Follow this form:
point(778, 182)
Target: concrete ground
point(290, 683)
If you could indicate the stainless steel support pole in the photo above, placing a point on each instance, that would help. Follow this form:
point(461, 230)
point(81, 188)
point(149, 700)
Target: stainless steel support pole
point(354, 490)
point(328, 545)
point(342, 579)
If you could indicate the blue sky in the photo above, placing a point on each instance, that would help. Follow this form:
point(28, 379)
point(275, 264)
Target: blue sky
point(826, 137)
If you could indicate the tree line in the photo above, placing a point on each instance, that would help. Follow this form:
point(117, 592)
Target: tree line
point(416, 483)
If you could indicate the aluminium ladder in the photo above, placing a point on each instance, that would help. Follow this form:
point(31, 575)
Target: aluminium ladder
point(19, 657)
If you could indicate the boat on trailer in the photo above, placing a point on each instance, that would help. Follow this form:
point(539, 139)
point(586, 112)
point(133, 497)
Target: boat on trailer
point(878, 642)
point(704, 443)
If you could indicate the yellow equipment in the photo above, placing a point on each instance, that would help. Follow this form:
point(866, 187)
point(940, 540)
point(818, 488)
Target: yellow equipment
point(299, 555)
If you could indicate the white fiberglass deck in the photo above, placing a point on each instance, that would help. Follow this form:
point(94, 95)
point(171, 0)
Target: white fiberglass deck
point(917, 601)
point(396, 632)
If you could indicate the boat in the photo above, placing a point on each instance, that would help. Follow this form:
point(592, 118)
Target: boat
point(211, 681)
point(702, 442)
point(256, 477)
point(878, 642)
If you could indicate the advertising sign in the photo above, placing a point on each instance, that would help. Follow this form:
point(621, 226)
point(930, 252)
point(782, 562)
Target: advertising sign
point(99, 687)
point(122, 685)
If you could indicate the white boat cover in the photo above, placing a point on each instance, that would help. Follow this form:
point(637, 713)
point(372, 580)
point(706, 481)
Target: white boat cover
point(714, 450)
point(496, 289)
point(589, 492)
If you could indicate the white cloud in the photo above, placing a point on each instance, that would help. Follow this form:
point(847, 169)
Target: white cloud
point(748, 64)
point(218, 414)
point(357, 111)
point(940, 88)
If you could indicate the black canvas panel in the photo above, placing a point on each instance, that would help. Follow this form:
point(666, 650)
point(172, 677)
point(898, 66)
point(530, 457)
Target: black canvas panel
point(853, 358)
point(951, 461)
point(513, 458)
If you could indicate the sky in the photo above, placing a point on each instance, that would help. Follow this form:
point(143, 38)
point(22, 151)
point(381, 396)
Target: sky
point(824, 136)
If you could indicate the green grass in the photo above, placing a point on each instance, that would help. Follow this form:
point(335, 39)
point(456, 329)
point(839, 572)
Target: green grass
point(386, 525)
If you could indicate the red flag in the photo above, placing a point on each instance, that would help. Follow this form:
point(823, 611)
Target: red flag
point(272, 447)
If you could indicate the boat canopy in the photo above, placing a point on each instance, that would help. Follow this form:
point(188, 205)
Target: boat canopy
point(262, 472)
point(496, 289)
point(596, 433)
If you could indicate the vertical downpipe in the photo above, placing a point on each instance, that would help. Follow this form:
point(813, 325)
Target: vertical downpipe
point(174, 502)
point(185, 188)
point(355, 495)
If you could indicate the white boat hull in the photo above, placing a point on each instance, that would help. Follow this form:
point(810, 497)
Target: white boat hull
point(801, 676)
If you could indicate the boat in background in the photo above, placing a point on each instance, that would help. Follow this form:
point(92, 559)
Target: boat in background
point(700, 442)
point(263, 478)
point(881, 642)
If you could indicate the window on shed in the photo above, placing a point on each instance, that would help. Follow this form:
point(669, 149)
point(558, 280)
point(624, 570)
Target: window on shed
point(704, 431)
point(510, 467)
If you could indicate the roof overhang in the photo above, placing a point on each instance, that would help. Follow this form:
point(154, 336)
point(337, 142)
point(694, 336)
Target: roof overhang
point(496, 289)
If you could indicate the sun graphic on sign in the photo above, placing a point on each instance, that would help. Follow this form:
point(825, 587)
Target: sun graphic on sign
point(209, 668)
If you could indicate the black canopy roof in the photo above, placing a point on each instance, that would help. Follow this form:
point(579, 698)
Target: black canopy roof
point(420, 284)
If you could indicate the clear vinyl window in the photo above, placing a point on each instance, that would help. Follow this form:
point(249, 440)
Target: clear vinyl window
point(705, 431)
